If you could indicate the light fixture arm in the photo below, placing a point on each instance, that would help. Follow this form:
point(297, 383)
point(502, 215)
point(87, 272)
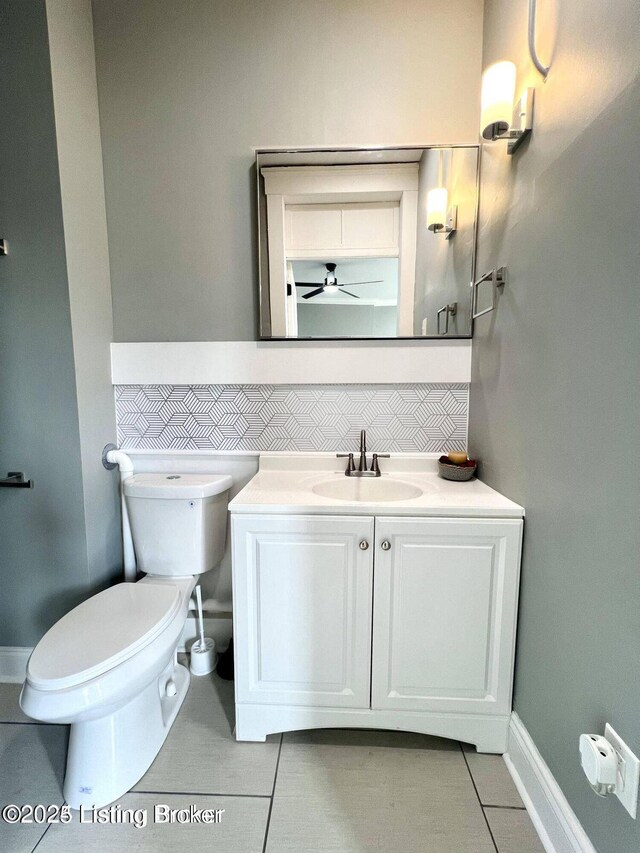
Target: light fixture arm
point(543, 69)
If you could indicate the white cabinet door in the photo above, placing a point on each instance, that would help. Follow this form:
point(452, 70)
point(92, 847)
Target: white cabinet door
point(445, 603)
point(302, 588)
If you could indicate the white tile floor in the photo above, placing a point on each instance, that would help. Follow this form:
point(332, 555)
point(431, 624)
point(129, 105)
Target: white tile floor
point(327, 791)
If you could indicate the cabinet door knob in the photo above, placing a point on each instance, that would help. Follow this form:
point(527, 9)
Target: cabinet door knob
point(364, 545)
point(385, 545)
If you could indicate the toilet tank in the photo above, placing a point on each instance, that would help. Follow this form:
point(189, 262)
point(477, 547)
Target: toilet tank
point(178, 521)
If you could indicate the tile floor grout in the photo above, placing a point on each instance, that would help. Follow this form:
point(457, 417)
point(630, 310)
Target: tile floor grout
point(202, 794)
point(269, 825)
point(512, 808)
point(41, 837)
point(36, 724)
point(475, 788)
point(273, 794)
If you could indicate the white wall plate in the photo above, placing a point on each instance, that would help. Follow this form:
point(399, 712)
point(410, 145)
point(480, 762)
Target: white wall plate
point(628, 772)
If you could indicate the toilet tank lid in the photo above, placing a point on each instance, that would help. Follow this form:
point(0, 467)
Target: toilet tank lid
point(167, 485)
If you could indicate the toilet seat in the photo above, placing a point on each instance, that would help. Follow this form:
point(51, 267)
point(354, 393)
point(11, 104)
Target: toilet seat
point(101, 633)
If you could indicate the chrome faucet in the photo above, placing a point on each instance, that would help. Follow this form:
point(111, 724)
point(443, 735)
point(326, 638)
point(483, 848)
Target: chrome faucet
point(362, 466)
point(362, 470)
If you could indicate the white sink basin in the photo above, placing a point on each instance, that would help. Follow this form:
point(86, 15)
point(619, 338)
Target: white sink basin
point(367, 490)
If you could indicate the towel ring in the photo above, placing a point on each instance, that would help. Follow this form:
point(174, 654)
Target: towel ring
point(498, 278)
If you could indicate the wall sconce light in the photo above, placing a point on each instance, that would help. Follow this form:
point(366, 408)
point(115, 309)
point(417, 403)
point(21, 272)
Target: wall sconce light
point(441, 219)
point(499, 119)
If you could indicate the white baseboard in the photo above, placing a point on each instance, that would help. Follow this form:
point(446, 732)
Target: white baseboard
point(13, 664)
point(559, 829)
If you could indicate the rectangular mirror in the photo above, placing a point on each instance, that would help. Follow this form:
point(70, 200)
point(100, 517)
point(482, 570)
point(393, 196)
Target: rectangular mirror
point(367, 243)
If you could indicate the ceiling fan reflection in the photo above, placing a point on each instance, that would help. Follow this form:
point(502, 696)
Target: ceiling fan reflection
point(331, 284)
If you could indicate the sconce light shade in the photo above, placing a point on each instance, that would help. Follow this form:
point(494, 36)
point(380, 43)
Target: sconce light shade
point(496, 104)
point(437, 205)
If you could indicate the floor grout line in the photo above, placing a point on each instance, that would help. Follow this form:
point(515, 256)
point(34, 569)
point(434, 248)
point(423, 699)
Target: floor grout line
point(33, 849)
point(512, 808)
point(475, 788)
point(271, 796)
point(273, 793)
point(201, 794)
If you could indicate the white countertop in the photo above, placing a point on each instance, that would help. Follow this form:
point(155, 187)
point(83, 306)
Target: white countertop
point(284, 485)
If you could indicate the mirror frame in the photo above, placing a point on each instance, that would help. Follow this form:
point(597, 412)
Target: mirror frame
point(264, 303)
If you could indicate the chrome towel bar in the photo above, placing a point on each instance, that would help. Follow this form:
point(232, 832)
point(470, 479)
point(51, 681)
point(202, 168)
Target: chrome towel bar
point(498, 278)
point(449, 311)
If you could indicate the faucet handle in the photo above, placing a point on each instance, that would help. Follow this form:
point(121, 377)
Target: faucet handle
point(351, 465)
point(374, 462)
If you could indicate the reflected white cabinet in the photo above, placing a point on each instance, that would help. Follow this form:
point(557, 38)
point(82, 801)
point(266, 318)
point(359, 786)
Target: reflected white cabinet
point(402, 623)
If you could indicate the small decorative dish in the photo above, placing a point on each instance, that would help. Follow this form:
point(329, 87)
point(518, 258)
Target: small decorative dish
point(459, 471)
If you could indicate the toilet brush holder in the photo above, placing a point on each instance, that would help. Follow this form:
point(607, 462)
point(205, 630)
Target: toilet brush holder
point(203, 656)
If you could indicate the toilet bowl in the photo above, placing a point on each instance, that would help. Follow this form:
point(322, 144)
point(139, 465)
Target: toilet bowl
point(109, 667)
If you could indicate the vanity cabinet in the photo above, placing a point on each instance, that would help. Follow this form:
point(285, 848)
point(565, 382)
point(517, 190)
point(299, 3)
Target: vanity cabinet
point(444, 614)
point(386, 622)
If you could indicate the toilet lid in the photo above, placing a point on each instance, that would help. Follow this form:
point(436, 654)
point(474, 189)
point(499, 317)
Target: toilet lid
point(100, 633)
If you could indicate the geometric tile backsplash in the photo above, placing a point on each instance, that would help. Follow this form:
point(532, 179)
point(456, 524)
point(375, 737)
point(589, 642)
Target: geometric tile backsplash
point(411, 418)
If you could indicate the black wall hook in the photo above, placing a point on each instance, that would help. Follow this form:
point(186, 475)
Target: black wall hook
point(16, 480)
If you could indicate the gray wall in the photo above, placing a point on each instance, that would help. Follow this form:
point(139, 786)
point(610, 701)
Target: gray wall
point(43, 549)
point(444, 267)
point(554, 398)
point(75, 98)
point(59, 540)
point(188, 89)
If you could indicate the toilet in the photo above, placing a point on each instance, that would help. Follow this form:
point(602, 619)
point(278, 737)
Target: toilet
point(109, 667)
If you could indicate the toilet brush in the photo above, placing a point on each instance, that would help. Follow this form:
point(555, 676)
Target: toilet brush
point(203, 651)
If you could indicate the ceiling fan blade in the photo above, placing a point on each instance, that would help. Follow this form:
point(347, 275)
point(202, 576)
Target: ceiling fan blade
point(313, 293)
point(309, 283)
point(351, 283)
point(342, 290)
